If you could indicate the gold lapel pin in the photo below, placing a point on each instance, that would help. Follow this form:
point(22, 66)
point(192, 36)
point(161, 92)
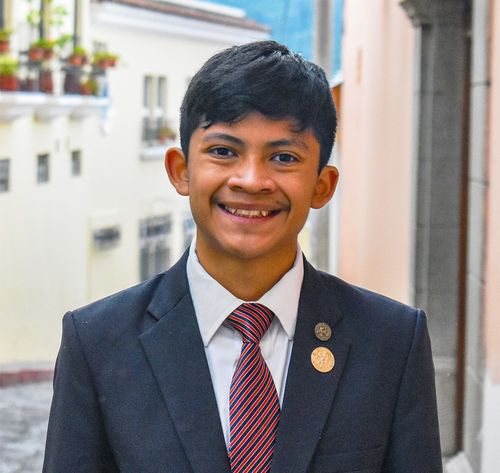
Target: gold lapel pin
point(322, 359)
point(322, 331)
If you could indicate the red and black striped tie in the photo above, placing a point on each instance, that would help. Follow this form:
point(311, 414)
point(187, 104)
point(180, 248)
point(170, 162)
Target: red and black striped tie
point(254, 409)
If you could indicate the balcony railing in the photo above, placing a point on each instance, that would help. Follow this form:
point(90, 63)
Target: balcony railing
point(36, 81)
point(157, 134)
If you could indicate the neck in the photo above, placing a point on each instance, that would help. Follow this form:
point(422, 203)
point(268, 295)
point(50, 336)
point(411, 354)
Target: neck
point(250, 279)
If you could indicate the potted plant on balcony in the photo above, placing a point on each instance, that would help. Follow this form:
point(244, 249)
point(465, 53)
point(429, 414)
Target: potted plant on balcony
point(104, 60)
point(41, 49)
point(4, 41)
point(8, 69)
point(100, 59)
point(166, 133)
point(78, 57)
point(89, 87)
point(112, 59)
point(35, 51)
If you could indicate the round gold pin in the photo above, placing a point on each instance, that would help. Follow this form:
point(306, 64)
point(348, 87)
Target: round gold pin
point(323, 331)
point(322, 359)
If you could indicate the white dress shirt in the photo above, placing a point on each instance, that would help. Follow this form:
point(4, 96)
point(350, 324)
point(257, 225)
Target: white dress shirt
point(213, 303)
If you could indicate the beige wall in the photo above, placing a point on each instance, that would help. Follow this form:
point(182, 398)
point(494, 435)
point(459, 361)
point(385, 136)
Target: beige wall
point(492, 277)
point(376, 129)
point(42, 238)
point(48, 261)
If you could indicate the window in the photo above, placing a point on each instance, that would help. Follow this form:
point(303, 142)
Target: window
point(42, 168)
point(154, 233)
point(76, 163)
point(155, 127)
point(147, 93)
point(4, 175)
point(107, 238)
point(161, 93)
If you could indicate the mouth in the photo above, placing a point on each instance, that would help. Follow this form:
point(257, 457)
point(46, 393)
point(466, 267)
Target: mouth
point(248, 213)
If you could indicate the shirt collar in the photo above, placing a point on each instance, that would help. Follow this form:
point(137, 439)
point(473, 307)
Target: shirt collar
point(213, 302)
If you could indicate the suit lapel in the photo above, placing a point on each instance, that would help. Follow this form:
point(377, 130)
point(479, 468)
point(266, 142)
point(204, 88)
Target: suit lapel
point(175, 352)
point(309, 394)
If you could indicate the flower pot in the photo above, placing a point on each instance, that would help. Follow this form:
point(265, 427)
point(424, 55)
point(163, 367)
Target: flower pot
point(4, 46)
point(9, 83)
point(48, 54)
point(85, 90)
point(35, 54)
point(75, 60)
point(103, 63)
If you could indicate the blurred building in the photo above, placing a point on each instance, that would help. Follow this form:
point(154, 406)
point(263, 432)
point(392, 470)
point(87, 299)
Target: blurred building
point(292, 23)
point(86, 207)
point(420, 192)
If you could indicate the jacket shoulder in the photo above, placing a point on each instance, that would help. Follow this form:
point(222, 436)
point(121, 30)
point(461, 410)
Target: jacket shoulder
point(127, 308)
point(127, 300)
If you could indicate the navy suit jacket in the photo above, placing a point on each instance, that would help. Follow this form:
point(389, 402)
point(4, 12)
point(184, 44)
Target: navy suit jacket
point(133, 393)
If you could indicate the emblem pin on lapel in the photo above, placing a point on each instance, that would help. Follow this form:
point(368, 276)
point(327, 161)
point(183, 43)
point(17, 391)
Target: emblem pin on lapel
point(322, 331)
point(322, 359)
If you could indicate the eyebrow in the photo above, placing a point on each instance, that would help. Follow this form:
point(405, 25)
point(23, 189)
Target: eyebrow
point(287, 142)
point(222, 136)
point(271, 144)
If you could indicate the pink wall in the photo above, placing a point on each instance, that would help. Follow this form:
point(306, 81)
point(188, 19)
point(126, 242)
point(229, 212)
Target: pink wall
point(376, 147)
point(492, 276)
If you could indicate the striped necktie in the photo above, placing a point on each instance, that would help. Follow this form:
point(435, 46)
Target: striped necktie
point(254, 409)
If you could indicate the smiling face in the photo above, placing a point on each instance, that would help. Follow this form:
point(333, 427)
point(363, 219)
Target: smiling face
point(251, 185)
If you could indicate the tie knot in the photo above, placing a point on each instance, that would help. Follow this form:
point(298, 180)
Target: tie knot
point(251, 320)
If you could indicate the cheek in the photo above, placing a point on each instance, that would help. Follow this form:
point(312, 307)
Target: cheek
point(301, 194)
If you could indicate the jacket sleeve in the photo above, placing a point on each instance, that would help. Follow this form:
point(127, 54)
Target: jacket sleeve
point(414, 445)
point(76, 440)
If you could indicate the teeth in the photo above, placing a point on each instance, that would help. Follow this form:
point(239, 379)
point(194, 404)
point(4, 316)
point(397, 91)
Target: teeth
point(248, 213)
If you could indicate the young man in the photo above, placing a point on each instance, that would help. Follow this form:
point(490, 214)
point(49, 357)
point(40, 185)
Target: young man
point(243, 357)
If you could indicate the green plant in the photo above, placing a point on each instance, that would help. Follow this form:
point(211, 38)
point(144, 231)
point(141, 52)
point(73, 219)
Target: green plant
point(104, 59)
point(55, 13)
point(33, 17)
point(8, 66)
point(166, 133)
point(5, 35)
point(99, 55)
point(63, 40)
point(81, 51)
point(90, 87)
point(43, 43)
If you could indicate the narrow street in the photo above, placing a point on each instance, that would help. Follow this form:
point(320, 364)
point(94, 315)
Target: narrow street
point(24, 410)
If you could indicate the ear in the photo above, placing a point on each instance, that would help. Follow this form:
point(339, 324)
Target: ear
point(176, 166)
point(326, 184)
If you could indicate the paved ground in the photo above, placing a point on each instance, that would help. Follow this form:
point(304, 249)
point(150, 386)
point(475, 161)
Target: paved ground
point(24, 410)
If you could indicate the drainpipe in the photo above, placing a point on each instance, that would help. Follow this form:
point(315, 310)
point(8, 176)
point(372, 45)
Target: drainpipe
point(2, 15)
point(41, 25)
point(76, 33)
point(322, 54)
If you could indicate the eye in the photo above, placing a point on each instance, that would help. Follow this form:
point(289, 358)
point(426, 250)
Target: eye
point(222, 151)
point(284, 158)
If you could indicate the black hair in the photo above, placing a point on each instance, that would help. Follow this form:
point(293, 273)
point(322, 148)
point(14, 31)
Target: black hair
point(263, 77)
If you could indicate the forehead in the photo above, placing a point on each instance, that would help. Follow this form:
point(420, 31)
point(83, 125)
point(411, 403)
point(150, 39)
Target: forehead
point(256, 128)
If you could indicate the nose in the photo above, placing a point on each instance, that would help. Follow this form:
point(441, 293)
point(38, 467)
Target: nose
point(252, 175)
